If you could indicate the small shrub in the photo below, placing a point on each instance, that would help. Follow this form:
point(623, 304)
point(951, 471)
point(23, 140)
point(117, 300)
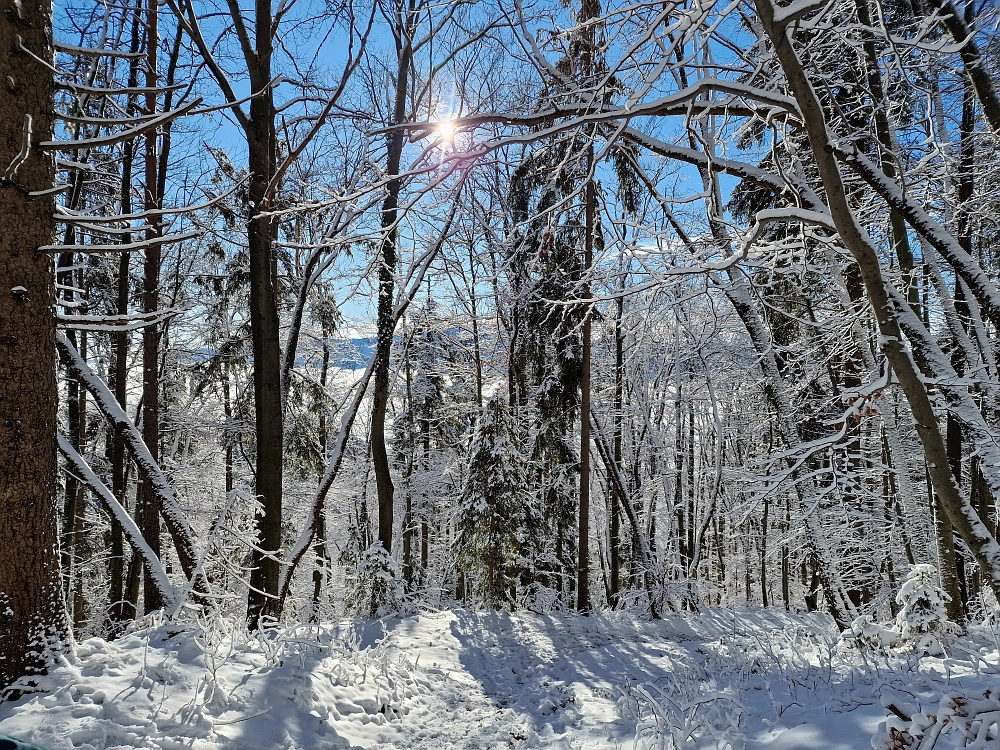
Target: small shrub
point(868, 635)
point(376, 588)
point(923, 622)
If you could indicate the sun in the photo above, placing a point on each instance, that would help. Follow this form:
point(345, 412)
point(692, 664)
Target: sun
point(447, 130)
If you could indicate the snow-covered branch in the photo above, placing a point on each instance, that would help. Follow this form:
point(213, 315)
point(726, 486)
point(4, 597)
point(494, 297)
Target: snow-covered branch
point(178, 526)
point(77, 465)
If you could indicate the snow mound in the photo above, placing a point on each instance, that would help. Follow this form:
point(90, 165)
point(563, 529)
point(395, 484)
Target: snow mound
point(169, 688)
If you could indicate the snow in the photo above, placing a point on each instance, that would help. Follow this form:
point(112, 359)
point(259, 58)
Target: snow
point(462, 679)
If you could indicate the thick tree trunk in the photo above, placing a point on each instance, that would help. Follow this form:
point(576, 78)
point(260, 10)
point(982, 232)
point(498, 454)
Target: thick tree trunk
point(947, 566)
point(32, 615)
point(264, 327)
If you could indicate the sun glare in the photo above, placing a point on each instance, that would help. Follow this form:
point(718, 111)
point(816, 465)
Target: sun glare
point(447, 130)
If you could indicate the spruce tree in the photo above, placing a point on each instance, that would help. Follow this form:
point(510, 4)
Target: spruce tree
point(492, 502)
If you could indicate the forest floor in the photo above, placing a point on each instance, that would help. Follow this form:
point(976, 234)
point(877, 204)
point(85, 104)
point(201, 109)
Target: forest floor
point(460, 679)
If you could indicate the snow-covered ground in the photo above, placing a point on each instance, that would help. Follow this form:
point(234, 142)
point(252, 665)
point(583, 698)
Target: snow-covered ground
point(460, 679)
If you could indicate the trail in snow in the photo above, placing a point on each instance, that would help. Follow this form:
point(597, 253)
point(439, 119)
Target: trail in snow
point(460, 679)
point(564, 681)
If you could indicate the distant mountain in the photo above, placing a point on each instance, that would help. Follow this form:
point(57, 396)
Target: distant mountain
point(351, 353)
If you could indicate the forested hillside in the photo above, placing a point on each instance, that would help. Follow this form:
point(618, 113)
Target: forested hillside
point(313, 310)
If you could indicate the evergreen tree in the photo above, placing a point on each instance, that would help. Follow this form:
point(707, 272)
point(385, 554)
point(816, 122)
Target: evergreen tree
point(546, 351)
point(489, 508)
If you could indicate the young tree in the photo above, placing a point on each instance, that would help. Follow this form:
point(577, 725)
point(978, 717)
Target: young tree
point(492, 502)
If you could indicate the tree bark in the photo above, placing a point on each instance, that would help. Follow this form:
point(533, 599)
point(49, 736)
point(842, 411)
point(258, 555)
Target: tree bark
point(148, 512)
point(386, 325)
point(583, 541)
point(33, 621)
point(264, 326)
point(614, 553)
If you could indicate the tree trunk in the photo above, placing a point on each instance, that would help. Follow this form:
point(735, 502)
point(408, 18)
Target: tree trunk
point(425, 428)
point(72, 484)
point(616, 500)
point(148, 511)
point(763, 550)
point(227, 407)
point(786, 560)
point(386, 326)
point(116, 563)
point(77, 523)
point(947, 566)
point(583, 542)
point(264, 327)
point(33, 621)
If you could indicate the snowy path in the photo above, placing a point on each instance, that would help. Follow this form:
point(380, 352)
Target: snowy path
point(530, 681)
point(458, 679)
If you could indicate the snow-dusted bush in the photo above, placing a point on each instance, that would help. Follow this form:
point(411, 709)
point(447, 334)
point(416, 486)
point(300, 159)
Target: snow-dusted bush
point(866, 634)
point(683, 711)
point(376, 588)
point(923, 622)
